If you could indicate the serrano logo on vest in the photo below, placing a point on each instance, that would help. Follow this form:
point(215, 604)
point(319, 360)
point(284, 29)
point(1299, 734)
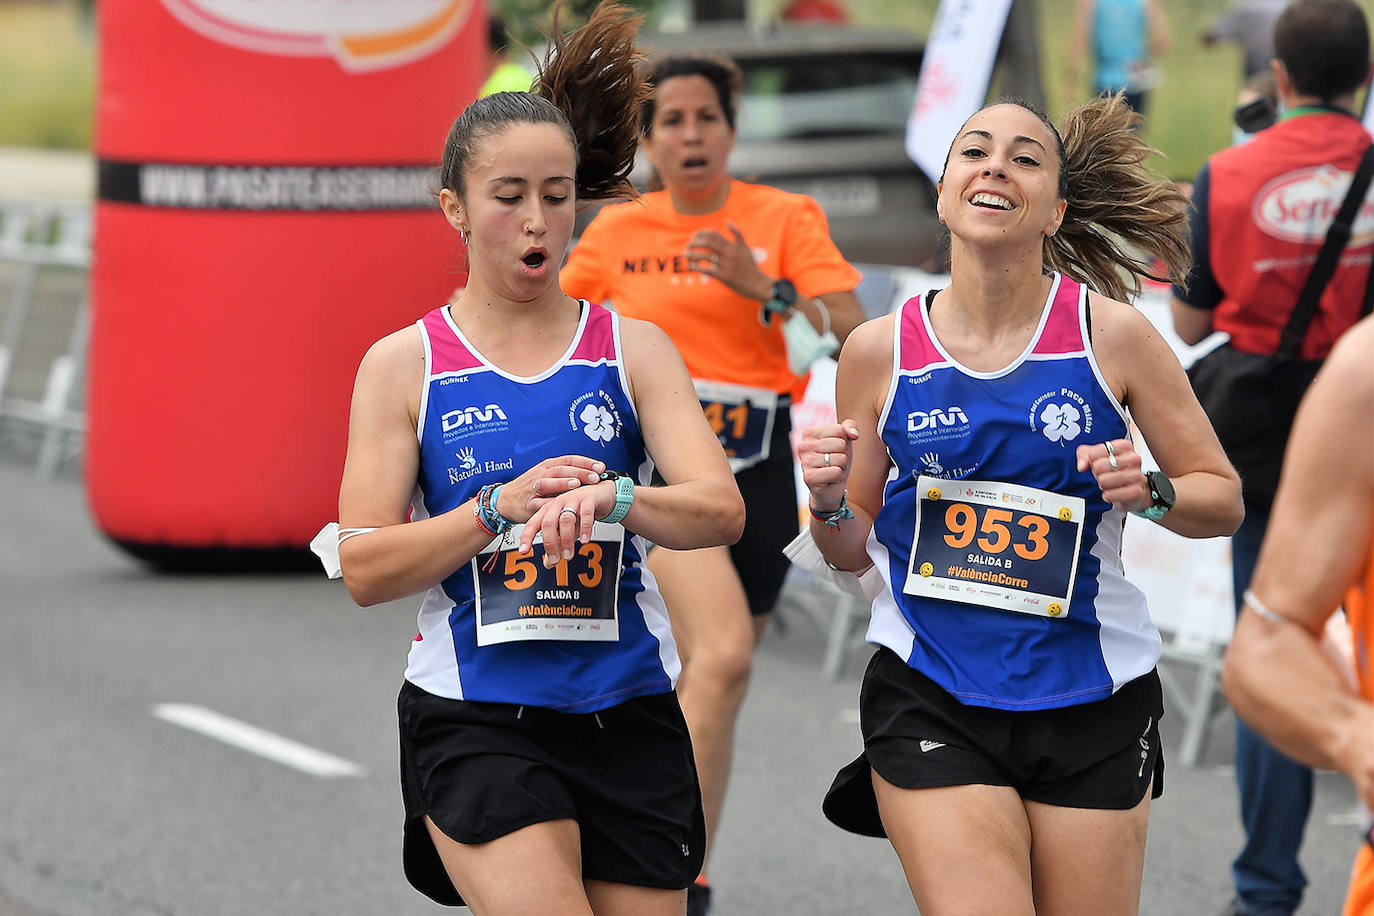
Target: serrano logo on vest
point(1064, 416)
point(941, 423)
point(1299, 206)
point(596, 416)
point(469, 421)
point(359, 34)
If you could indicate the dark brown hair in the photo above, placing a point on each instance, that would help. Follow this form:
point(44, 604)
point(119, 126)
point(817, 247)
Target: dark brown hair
point(1121, 217)
point(720, 72)
point(590, 85)
point(1324, 46)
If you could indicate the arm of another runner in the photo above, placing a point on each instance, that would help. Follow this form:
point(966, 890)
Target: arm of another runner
point(400, 557)
point(1147, 378)
point(1277, 676)
point(858, 464)
point(701, 505)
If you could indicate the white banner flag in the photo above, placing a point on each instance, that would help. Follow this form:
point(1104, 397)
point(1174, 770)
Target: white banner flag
point(955, 72)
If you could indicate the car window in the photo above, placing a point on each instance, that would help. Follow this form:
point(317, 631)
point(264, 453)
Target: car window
point(829, 97)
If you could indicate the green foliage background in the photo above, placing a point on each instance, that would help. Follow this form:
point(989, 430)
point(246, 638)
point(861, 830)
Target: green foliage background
point(48, 66)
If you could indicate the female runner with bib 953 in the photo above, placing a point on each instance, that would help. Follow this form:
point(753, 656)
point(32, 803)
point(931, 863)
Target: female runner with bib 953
point(984, 471)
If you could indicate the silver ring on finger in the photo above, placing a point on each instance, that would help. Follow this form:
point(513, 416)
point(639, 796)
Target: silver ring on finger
point(827, 458)
point(1111, 455)
point(567, 511)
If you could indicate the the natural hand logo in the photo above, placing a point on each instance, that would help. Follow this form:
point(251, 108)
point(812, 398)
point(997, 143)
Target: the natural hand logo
point(1060, 422)
point(466, 460)
point(599, 425)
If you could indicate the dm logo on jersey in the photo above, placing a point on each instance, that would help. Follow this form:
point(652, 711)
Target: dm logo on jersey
point(932, 425)
point(1061, 416)
point(595, 415)
point(469, 421)
point(359, 34)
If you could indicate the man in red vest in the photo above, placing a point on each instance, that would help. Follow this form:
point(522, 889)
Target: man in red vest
point(1263, 210)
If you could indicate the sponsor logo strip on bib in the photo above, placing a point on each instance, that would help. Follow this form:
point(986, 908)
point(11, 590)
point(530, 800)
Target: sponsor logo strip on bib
point(576, 599)
point(996, 545)
point(741, 418)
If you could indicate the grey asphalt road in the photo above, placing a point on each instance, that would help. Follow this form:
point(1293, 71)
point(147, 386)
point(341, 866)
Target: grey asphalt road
point(108, 810)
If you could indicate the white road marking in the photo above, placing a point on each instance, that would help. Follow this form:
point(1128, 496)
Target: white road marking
point(255, 740)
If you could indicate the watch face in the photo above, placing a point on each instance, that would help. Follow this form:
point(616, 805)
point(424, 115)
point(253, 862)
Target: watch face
point(785, 292)
point(609, 474)
point(1162, 488)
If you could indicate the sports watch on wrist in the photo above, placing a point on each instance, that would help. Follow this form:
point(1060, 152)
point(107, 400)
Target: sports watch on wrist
point(1161, 496)
point(781, 297)
point(624, 496)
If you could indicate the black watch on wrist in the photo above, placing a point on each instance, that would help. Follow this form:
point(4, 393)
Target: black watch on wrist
point(781, 297)
point(609, 474)
point(1161, 496)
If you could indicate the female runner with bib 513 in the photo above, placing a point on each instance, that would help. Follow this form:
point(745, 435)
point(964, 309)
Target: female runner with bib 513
point(984, 470)
point(499, 458)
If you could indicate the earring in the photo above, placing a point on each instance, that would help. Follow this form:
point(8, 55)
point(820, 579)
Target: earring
point(463, 234)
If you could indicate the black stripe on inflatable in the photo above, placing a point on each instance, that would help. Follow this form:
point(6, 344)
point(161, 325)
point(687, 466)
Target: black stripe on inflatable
point(268, 187)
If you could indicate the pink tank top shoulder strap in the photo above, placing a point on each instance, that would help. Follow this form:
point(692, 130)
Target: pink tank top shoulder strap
point(598, 340)
point(915, 349)
point(1063, 330)
point(447, 352)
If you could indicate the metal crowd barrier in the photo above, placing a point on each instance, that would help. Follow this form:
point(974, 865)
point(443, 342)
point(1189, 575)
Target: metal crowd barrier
point(45, 258)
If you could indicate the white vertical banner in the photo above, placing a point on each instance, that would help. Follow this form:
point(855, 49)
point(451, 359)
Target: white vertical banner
point(955, 72)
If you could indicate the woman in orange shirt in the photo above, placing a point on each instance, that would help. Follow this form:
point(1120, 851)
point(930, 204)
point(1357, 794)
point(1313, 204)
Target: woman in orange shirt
point(721, 266)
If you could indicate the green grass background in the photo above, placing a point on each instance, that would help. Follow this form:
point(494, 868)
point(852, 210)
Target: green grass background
point(48, 71)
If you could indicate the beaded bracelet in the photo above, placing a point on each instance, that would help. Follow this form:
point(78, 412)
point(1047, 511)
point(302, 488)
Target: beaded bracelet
point(832, 519)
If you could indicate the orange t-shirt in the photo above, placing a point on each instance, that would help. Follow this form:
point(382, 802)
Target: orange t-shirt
point(634, 255)
point(1359, 609)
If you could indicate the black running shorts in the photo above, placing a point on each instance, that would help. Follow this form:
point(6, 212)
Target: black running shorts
point(771, 518)
point(1104, 754)
point(483, 770)
point(769, 489)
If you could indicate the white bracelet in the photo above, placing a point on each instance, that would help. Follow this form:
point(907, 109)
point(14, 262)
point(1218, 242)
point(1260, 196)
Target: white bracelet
point(1259, 607)
point(825, 316)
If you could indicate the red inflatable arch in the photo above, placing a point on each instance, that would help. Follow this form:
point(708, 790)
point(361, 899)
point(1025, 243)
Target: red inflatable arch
point(265, 212)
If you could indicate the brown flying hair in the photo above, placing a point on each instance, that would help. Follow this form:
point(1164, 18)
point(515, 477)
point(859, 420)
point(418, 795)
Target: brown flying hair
point(590, 85)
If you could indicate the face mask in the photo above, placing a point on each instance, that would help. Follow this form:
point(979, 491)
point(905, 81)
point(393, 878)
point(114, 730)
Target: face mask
point(804, 345)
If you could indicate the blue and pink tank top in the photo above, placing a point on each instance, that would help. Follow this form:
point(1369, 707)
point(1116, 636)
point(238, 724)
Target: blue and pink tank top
point(593, 631)
point(1003, 561)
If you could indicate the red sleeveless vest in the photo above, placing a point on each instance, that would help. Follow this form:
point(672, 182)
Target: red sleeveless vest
point(1270, 205)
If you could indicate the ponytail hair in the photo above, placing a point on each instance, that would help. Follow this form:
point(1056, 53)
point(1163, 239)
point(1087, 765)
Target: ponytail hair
point(1120, 214)
point(590, 85)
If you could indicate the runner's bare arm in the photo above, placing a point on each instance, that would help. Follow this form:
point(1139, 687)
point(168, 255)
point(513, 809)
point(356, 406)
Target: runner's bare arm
point(858, 459)
point(1319, 536)
point(701, 505)
point(1148, 380)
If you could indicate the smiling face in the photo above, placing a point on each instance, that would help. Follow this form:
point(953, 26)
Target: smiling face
point(689, 140)
point(517, 208)
point(1001, 180)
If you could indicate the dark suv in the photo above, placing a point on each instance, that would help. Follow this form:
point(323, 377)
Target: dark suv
point(823, 112)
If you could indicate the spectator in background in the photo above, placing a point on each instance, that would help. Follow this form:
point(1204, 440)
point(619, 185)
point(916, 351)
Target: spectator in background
point(1319, 550)
point(505, 73)
point(1248, 268)
point(1249, 24)
point(1119, 38)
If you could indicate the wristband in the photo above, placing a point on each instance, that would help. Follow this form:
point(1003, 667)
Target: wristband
point(486, 513)
point(832, 519)
point(624, 496)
